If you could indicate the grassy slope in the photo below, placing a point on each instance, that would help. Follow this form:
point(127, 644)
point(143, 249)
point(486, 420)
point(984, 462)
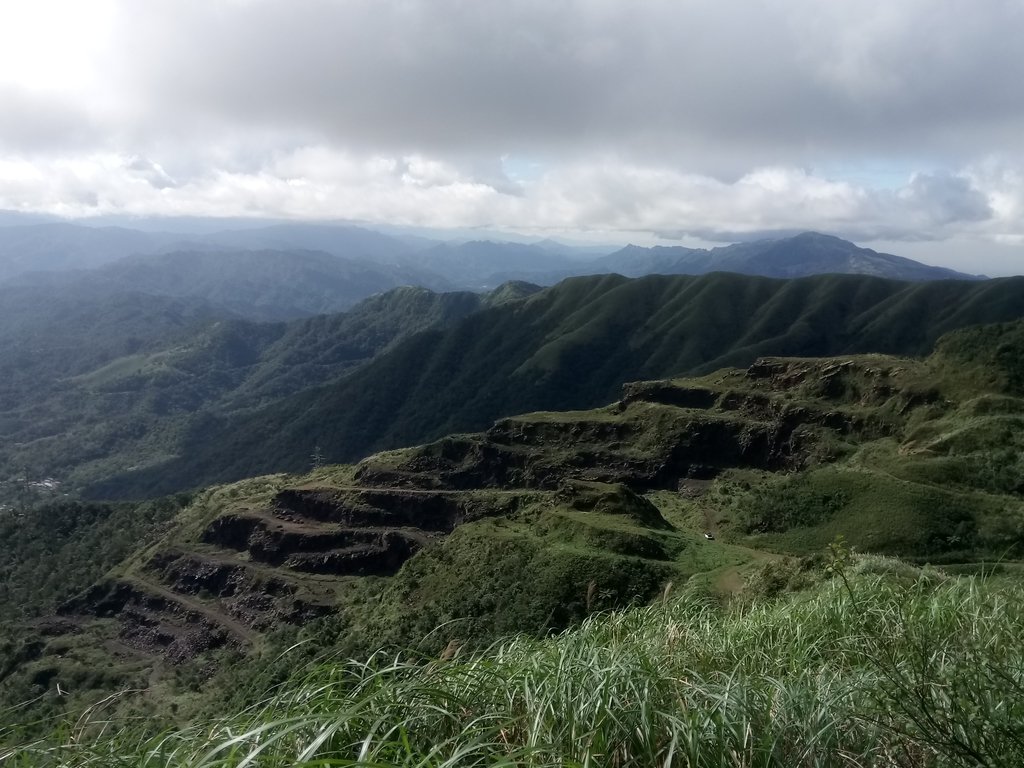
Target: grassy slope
point(885, 667)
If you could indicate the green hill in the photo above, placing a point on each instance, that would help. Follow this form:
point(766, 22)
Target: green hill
point(571, 346)
point(137, 396)
point(97, 386)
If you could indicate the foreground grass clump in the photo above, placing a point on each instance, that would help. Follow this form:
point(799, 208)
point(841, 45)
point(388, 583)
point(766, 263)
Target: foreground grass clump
point(886, 666)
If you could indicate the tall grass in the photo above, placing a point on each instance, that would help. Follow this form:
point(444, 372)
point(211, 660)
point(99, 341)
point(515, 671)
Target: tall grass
point(889, 669)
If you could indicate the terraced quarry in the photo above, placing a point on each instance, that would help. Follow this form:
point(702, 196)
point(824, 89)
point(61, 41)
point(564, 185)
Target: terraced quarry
point(222, 580)
point(547, 517)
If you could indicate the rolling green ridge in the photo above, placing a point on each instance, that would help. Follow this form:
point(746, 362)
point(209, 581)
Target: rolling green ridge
point(570, 346)
point(547, 517)
point(139, 397)
point(97, 387)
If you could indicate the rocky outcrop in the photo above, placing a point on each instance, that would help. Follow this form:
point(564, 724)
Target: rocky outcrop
point(253, 569)
point(377, 551)
point(668, 393)
point(157, 623)
point(697, 444)
point(258, 599)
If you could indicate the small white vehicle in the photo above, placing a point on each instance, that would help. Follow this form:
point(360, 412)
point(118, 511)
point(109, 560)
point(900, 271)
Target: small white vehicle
point(709, 536)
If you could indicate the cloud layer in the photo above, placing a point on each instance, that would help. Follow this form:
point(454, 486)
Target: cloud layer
point(713, 118)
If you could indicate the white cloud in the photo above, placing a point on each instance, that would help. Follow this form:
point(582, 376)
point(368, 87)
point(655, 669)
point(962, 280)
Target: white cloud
point(654, 116)
point(54, 45)
point(724, 85)
point(607, 195)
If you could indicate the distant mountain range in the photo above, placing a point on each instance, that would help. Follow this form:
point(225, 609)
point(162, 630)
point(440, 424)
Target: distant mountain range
point(52, 247)
point(255, 284)
point(287, 272)
point(806, 254)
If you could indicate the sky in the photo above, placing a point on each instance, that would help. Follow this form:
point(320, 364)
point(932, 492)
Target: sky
point(897, 124)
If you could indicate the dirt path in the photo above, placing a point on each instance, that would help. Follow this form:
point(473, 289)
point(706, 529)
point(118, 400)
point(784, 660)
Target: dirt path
point(311, 526)
point(416, 491)
point(710, 526)
point(730, 580)
point(220, 619)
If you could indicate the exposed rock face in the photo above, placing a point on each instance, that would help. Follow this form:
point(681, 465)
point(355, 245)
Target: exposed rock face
point(258, 600)
point(156, 624)
point(378, 507)
point(254, 569)
point(695, 444)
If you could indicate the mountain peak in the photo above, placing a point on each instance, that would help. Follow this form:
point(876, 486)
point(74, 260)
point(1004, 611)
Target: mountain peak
point(812, 236)
point(800, 255)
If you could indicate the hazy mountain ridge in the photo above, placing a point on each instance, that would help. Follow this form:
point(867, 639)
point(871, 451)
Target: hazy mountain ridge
point(810, 253)
point(485, 263)
point(260, 285)
point(57, 246)
point(473, 264)
point(101, 385)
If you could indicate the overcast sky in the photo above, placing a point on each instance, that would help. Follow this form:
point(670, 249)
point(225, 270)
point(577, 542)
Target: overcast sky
point(896, 123)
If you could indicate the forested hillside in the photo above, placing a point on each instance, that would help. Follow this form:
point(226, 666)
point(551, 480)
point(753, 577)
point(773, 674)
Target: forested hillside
point(572, 346)
point(96, 386)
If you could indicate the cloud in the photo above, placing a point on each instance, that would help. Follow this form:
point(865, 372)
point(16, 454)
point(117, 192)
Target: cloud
point(144, 168)
point(709, 118)
point(945, 199)
point(37, 122)
point(683, 79)
point(772, 199)
point(717, 86)
point(606, 196)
